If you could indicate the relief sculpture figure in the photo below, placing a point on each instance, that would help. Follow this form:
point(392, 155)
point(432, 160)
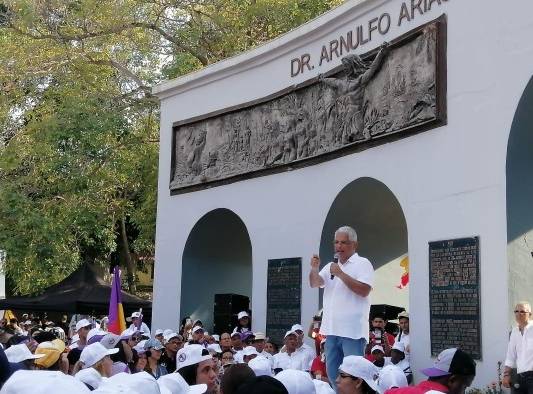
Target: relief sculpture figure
point(349, 101)
point(194, 160)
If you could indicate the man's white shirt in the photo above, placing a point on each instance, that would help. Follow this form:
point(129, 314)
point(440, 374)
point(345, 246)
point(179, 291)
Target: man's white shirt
point(520, 349)
point(144, 328)
point(300, 359)
point(345, 313)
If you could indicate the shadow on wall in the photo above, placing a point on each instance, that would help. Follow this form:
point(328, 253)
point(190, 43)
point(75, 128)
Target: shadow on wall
point(217, 259)
point(372, 209)
point(519, 175)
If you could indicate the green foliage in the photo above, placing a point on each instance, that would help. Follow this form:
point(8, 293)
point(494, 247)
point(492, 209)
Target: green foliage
point(78, 124)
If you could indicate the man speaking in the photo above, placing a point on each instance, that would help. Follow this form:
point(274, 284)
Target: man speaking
point(347, 282)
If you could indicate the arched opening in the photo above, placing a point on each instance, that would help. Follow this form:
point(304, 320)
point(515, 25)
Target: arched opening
point(217, 259)
point(373, 211)
point(519, 175)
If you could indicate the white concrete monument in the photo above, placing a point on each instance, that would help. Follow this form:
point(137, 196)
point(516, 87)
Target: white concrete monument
point(409, 120)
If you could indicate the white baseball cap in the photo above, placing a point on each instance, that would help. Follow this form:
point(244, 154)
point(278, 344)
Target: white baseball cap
point(216, 337)
point(296, 382)
point(249, 351)
point(261, 366)
point(175, 383)
point(140, 347)
point(215, 347)
point(141, 382)
point(169, 336)
point(93, 353)
point(198, 328)
point(399, 346)
point(167, 331)
point(377, 347)
point(134, 315)
point(297, 327)
point(82, 323)
point(42, 382)
point(290, 332)
point(452, 361)
point(258, 336)
point(360, 367)
point(242, 314)
point(110, 340)
point(95, 332)
point(190, 355)
point(322, 387)
point(20, 352)
point(391, 376)
point(158, 332)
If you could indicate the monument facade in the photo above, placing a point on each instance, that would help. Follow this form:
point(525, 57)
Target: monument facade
point(409, 120)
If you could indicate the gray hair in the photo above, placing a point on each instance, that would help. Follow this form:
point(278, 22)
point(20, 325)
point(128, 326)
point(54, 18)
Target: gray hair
point(352, 235)
point(525, 304)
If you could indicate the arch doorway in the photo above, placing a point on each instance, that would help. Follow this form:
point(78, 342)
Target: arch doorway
point(373, 211)
point(519, 175)
point(217, 259)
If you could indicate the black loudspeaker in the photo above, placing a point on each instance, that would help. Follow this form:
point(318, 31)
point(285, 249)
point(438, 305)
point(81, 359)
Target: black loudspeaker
point(227, 306)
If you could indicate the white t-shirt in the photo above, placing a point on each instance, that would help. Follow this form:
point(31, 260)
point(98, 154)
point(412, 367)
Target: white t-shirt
point(345, 313)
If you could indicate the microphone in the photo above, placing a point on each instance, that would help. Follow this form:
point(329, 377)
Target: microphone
point(335, 260)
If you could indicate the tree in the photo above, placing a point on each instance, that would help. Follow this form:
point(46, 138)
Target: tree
point(79, 126)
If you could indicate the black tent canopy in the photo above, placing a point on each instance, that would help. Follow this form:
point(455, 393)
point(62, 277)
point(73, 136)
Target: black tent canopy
point(83, 292)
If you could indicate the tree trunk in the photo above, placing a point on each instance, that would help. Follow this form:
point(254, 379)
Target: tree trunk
point(130, 266)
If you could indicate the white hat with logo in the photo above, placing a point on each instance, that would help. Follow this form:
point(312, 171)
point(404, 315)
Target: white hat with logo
point(190, 355)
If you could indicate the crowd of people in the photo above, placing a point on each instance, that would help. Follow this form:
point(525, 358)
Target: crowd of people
point(352, 354)
point(190, 360)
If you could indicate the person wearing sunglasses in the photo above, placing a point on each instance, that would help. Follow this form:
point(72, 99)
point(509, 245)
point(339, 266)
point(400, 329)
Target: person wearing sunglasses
point(520, 351)
point(153, 350)
point(357, 375)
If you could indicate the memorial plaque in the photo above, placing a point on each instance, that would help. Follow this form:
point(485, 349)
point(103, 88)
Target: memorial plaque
point(284, 294)
point(390, 92)
point(454, 295)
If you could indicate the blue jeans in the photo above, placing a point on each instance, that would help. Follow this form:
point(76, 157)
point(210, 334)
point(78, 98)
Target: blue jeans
point(336, 349)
